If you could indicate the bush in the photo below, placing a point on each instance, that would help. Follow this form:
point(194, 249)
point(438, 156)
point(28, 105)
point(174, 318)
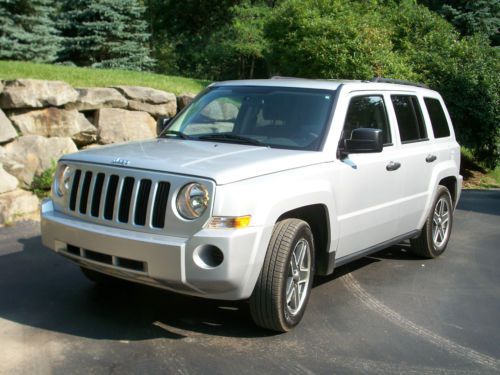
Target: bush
point(42, 183)
point(333, 39)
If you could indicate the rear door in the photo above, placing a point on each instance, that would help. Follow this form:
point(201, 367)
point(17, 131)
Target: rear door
point(368, 189)
point(417, 156)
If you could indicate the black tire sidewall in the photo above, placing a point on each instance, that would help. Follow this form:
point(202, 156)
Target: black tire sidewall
point(303, 232)
point(433, 249)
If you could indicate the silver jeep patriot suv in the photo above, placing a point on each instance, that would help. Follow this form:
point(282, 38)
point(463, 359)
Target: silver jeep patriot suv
point(259, 185)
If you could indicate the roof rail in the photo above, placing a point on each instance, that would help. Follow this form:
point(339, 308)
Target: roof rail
point(398, 81)
point(281, 77)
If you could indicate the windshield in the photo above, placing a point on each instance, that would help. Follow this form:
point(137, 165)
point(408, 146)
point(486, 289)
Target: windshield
point(293, 118)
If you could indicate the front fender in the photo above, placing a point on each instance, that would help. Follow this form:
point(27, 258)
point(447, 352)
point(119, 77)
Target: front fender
point(268, 197)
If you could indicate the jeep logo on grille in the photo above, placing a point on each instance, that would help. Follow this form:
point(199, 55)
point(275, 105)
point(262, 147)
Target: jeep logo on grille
point(120, 161)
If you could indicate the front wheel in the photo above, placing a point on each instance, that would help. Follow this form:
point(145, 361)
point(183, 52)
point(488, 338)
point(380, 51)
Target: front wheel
point(279, 299)
point(437, 229)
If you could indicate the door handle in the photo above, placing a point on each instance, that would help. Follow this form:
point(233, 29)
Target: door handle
point(393, 165)
point(430, 158)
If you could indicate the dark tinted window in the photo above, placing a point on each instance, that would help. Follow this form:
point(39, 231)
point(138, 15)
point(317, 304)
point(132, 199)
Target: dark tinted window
point(410, 120)
point(438, 118)
point(367, 112)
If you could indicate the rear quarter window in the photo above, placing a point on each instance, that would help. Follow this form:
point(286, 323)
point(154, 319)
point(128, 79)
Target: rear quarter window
point(409, 116)
point(438, 118)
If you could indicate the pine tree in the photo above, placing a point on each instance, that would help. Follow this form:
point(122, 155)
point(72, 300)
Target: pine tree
point(27, 30)
point(106, 34)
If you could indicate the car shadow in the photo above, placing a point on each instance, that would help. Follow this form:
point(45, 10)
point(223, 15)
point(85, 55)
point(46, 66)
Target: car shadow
point(38, 288)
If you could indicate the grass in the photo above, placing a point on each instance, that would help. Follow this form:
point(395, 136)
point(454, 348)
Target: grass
point(90, 77)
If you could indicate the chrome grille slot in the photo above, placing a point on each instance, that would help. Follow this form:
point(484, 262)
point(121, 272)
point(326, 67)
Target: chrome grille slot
point(96, 197)
point(141, 204)
point(125, 199)
point(160, 204)
point(110, 197)
point(74, 190)
point(85, 192)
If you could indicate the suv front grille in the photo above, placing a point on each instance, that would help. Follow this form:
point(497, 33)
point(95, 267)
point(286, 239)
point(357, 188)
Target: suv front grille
point(121, 198)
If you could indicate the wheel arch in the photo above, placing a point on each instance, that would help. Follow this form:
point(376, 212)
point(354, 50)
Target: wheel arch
point(317, 216)
point(451, 184)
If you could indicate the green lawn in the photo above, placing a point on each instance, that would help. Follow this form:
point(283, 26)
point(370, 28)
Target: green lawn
point(89, 77)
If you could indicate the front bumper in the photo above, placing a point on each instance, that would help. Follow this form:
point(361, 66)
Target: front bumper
point(163, 261)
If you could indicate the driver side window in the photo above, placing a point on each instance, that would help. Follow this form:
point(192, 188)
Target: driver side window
point(367, 111)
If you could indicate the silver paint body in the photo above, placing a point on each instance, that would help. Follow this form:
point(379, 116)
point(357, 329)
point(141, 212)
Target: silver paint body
point(366, 204)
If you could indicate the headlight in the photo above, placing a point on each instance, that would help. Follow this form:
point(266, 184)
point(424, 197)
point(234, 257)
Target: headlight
point(62, 179)
point(192, 201)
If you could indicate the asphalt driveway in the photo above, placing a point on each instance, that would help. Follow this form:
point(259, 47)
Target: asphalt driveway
point(388, 313)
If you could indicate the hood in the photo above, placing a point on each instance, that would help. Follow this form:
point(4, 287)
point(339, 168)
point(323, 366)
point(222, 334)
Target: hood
point(222, 162)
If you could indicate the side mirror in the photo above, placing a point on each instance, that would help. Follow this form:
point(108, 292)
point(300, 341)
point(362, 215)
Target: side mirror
point(364, 140)
point(162, 123)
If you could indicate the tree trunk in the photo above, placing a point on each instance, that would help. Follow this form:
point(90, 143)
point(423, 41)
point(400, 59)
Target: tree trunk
point(252, 66)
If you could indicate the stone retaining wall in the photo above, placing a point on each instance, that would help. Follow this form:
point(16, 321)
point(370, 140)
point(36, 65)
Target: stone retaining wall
point(42, 120)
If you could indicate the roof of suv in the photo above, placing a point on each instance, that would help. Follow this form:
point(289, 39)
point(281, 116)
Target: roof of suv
point(322, 84)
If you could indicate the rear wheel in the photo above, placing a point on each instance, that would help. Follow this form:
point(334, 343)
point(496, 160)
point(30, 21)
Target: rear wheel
point(282, 291)
point(436, 232)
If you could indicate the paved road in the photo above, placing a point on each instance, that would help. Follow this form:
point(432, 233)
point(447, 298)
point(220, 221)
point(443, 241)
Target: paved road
point(389, 313)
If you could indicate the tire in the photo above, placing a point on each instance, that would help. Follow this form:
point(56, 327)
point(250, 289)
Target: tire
point(436, 232)
point(100, 278)
point(279, 299)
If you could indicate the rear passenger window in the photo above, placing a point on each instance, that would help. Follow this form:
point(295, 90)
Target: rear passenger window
point(438, 118)
point(367, 112)
point(410, 120)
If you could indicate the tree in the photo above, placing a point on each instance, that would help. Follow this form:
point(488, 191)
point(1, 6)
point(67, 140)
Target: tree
point(106, 34)
point(471, 17)
point(237, 50)
point(182, 31)
point(28, 31)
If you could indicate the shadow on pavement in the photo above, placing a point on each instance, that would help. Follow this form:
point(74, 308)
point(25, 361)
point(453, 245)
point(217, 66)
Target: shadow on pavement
point(40, 289)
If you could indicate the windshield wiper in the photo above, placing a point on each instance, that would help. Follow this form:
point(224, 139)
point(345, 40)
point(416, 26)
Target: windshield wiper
point(177, 133)
point(231, 137)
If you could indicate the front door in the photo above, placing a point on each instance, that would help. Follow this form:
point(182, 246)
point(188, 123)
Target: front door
point(369, 186)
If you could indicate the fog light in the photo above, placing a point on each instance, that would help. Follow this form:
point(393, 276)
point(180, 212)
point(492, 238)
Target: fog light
point(236, 222)
point(208, 256)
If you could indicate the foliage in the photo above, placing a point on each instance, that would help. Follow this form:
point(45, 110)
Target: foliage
point(471, 17)
point(332, 39)
point(88, 77)
point(105, 34)
point(28, 31)
point(183, 28)
point(237, 50)
point(42, 183)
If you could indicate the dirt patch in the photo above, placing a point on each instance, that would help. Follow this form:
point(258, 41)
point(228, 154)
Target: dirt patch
point(475, 176)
